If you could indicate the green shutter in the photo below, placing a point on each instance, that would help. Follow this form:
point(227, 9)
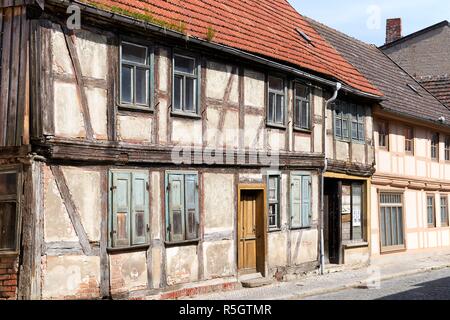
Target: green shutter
point(296, 205)
point(306, 201)
point(121, 199)
point(139, 210)
point(176, 227)
point(191, 207)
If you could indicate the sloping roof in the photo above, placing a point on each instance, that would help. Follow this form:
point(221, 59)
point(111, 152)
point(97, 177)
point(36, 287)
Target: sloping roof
point(441, 24)
point(268, 28)
point(402, 93)
point(439, 86)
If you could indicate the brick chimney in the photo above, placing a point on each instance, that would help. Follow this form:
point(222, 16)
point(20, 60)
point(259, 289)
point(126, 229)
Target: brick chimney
point(393, 30)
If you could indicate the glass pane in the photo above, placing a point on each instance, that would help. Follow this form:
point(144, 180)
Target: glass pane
point(142, 86)
point(301, 91)
point(338, 127)
point(383, 226)
point(8, 226)
point(400, 225)
point(305, 115)
point(297, 112)
point(345, 129)
point(388, 227)
point(354, 130)
point(139, 227)
point(360, 132)
point(8, 183)
point(279, 109)
point(271, 107)
point(127, 84)
point(186, 65)
point(178, 93)
point(134, 53)
point(276, 84)
point(190, 94)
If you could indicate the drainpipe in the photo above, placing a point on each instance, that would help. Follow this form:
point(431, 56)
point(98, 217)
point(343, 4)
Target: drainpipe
point(322, 178)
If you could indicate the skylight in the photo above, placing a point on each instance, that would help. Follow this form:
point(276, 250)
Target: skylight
point(413, 89)
point(304, 35)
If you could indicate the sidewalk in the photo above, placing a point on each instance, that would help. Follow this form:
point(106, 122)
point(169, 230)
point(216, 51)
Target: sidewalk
point(381, 268)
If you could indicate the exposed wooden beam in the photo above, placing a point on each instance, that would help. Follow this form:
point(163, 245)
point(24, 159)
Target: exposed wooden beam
point(71, 209)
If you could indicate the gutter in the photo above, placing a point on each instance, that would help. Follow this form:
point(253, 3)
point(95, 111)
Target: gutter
point(322, 177)
point(111, 16)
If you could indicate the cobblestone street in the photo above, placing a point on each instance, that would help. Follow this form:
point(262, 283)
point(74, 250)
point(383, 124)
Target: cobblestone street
point(432, 285)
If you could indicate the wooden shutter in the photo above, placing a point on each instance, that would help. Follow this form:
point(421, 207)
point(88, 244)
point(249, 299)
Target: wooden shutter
point(306, 201)
point(139, 210)
point(121, 200)
point(191, 208)
point(296, 205)
point(176, 227)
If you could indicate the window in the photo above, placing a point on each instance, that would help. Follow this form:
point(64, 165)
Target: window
point(431, 214)
point(349, 121)
point(435, 146)
point(129, 221)
point(391, 221)
point(276, 107)
point(182, 219)
point(444, 211)
point(409, 140)
point(186, 85)
point(302, 108)
point(447, 149)
point(9, 211)
point(301, 201)
point(135, 61)
point(352, 212)
point(383, 134)
point(274, 201)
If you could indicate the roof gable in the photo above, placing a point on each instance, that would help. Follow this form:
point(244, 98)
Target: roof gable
point(268, 28)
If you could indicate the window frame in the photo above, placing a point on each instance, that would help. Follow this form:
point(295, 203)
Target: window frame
point(411, 140)
point(435, 145)
point(302, 175)
point(309, 101)
point(167, 237)
point(278, 202)
point(198, 86)
point(17, 199)
point(444, 223)
point(386, 134)
point(447, 148)
point(433, 224)
point(349, 113)
point(283, 92)
point(150, 67)
point(147, 227)
point(381, 192)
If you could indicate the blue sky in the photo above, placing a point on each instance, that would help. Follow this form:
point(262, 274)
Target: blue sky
point(366, 19)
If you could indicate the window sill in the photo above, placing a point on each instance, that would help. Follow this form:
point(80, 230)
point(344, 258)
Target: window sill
point(354, 245)
point(8, 253)
point(302, 130)
point(124, 107)
point(128, 249)
point(300, 228)
point(276, 126)
point(181, 243)
point(185, 115)
point(274, 230)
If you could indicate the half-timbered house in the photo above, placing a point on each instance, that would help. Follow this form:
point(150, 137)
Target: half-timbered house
point(165, 148)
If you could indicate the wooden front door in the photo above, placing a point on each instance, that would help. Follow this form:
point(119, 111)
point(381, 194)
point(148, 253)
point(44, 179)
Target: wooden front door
point(247, 231)
point(334, 192)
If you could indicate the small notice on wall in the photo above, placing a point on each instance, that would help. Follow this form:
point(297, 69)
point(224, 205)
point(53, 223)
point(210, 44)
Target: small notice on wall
point(356, 217)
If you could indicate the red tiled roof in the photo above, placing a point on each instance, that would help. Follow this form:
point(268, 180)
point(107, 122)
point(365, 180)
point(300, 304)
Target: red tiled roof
point(263, 27)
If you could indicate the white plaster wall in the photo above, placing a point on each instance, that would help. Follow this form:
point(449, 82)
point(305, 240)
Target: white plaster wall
point(67, 111)
point(187, 131)
point(128, 271)
point(304, 246)
point(134, 128)
point(182, 265)
point(97, 102)
point(92, 52)
point(254, 88)
point(219, 259)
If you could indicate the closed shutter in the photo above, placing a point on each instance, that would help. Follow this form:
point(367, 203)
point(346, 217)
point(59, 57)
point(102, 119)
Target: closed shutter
point(296, 204)
point(139, 216)
point(306, 201)
point(121, 199)
point(192, 215)
point(176, 227)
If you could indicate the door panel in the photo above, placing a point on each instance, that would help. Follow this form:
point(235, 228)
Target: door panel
point(247, 232)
